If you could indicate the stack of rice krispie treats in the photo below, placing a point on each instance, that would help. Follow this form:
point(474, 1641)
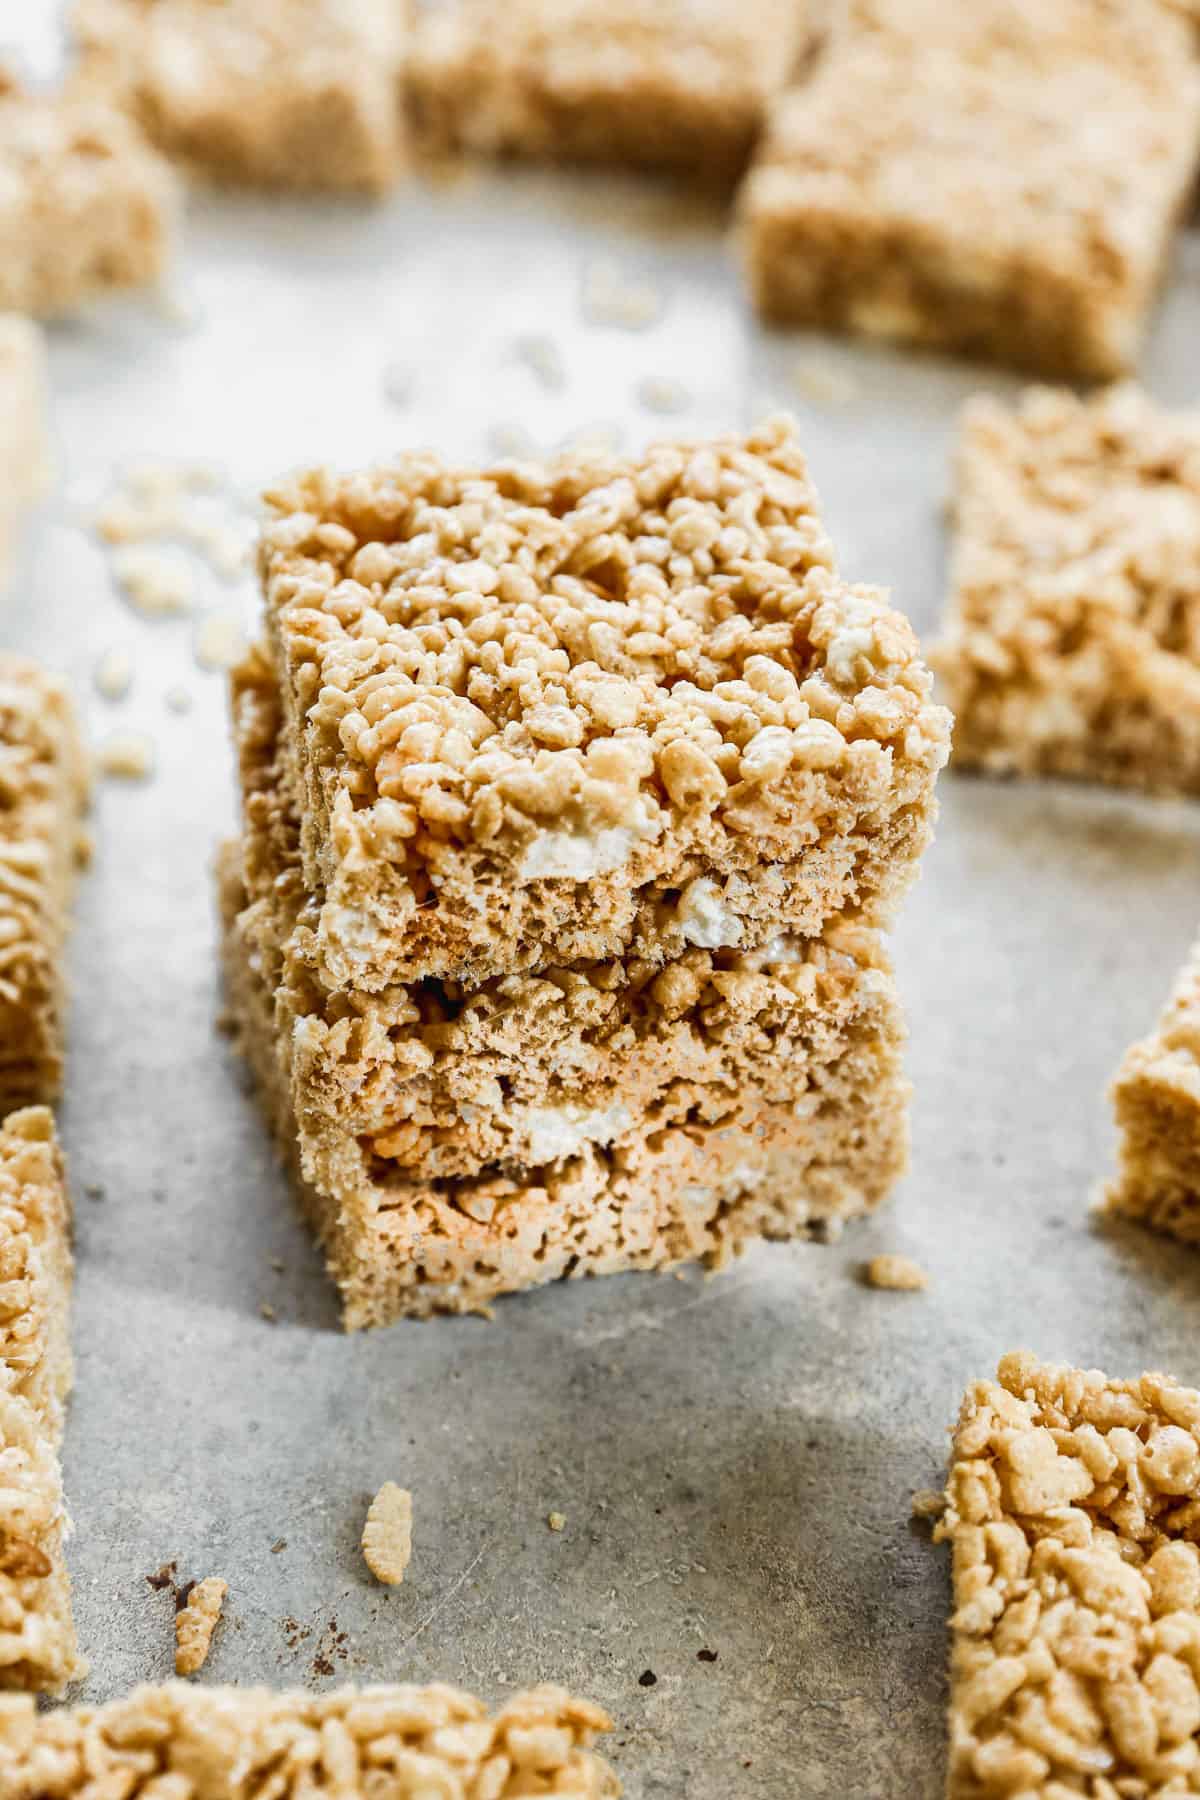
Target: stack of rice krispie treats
point(574, 798)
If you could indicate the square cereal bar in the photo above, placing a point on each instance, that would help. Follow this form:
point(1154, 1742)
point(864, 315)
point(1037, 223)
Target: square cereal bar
point(1072, 1510)
point(408, 1743)
point(605, 707)
point(1157, 1100)
point(22, 426)
point(1072, 645)
point(436, 1080)
point(43, 792)
point(400, 1246)
point(657, 83)
point(36, 1266)
point(279, 93)
point(942, 180)
point(85, 205)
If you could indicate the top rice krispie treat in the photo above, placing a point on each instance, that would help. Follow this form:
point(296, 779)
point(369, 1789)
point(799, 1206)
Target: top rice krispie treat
point(539, 714)
point(677, 84)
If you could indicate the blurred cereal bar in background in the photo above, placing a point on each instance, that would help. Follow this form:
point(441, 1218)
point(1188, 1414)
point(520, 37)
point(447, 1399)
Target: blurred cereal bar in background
point(301, 94)
point(23, 448)
point(86, 206)
point(655, 83)
point(1157, 1100)
point(43, 792)
point(1002, 180)
point(1072, 644)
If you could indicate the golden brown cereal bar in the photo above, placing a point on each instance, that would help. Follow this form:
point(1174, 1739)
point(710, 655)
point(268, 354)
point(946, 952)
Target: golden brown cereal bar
point(43, 791)
point(85, 205)
point(1072, 644)
point(1072, 1508)
point(943, 179)
point(1157, 1101)
point(528, 709)
point(280, 93)
point(238, 1743)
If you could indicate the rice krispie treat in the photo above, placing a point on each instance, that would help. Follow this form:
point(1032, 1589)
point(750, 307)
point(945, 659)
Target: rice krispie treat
point(242, 1743)
point(662, 1190)
point(38, 1650)
point(658, 83)
point(43, 792)
point(36, 1266)
point(1072, 1506)
point(1072, 645)
point(281, 93)
point(528, 709)
point(941, 180)
point(22, 425)
point(1157, 1100)
point(86, 206)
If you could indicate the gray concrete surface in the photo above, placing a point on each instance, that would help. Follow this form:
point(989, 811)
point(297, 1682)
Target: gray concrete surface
point(734, 1456)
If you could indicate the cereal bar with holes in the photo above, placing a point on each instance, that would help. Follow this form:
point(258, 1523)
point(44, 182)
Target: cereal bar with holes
point(276, 93)
point(38, 1649)
point(1156, 1097)
point(1001, 181)
point(1072, 642)
point(409, 1743)
point(603, 708)
point(23, 454)
point(1072, 1510)
point(658, 84)
point(43, 793)
point(86, 206)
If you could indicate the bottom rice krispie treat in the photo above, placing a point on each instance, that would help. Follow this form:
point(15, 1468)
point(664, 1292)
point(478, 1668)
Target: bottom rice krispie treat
point(43, 792)
point(1156, 1097)
point(406, 1743)
point(1073, 1505)
point(1072, 643)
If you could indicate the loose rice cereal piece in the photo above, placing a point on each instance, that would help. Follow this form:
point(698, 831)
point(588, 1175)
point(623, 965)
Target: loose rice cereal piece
point(43, 794)
point(387, 1534)
point(278, 93)
point(1072, 643)
point(898, 1272)
point(940, 180)
point(656, 83)
point(1070, 1508)
point(1156, 1096)
point(85, 205)
point(196, 1622)
point(160, 1743)
point(127, 755)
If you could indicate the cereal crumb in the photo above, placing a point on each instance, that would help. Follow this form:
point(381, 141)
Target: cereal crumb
point(610, 297)
point(279, 1546)
point(398, 384)
point(387, 1534)
point(128, 755)
point(898, 1272)
point(557, 1521)
point(113, 674)
point(267, 1312)
point(928, 1503)
point(220, 641)
point(659, 394)
point(647, 1678)
point(194, 1626)
point(511, 441)
point(178, 699)
point(821, 383)
point(155, 583)
point(543, 356)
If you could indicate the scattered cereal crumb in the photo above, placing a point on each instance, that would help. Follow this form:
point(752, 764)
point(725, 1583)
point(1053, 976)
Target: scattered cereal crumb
point(543, 357)
point(128, 755)
point(821, 383)
point(557, 1521)
point(194, 1626)
point(165, 1577)
point(178, 699)
point(899, 1272)
point(647, 1678)
point(278, 1546)
point(387, 1534)
point(113, 674)
point(602, 435)
point(398, 384)
point(220, 641)
point(154, 582)
point(511, 441)
point(178, 309)
point(610, 297)
point(267, 1311)
point(659, 394)
point(928, 1503)
point(709, 1656)
point(224, 548)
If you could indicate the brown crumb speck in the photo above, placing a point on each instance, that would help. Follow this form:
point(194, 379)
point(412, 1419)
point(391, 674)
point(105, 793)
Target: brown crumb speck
point(647, 1679)
point(708, 1656)
point(165, 1577)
